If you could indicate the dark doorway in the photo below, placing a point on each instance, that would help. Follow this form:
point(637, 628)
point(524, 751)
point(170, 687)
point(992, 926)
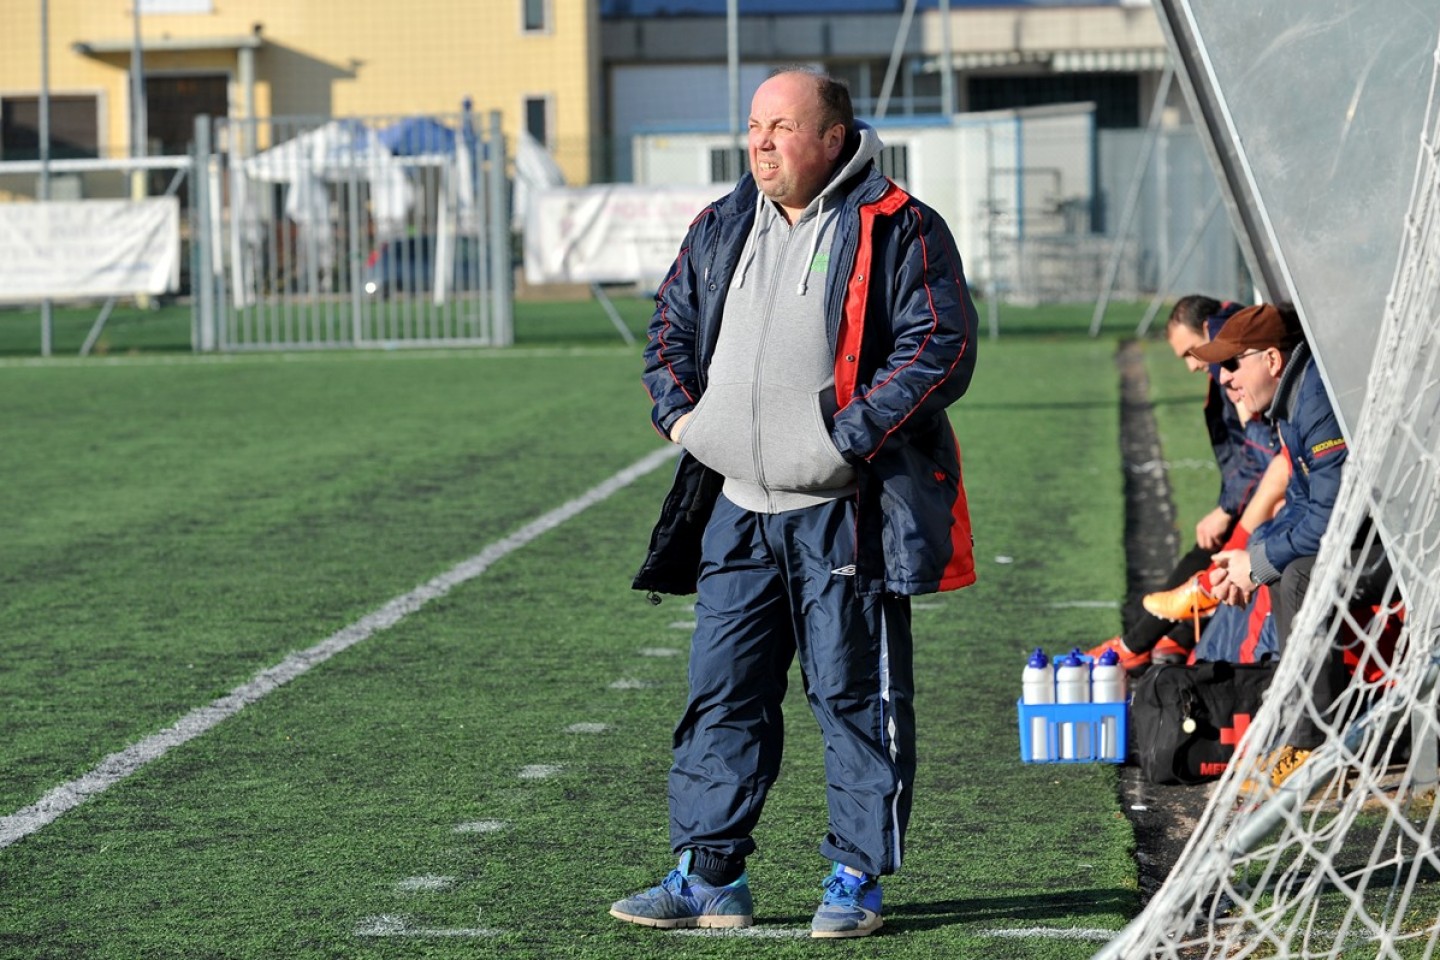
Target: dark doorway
point(172, 102)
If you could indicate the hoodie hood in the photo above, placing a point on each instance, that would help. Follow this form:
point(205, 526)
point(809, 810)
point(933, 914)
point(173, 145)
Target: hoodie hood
point(867, 147)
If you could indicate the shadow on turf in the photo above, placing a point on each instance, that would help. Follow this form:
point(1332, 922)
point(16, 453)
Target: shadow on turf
point(1051, 907)
point(915, 917)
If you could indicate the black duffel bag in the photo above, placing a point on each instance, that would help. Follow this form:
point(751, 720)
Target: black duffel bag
point(1186, 720)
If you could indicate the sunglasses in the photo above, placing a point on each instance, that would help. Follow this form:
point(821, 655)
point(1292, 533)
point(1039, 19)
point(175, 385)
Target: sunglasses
point(1233, 364)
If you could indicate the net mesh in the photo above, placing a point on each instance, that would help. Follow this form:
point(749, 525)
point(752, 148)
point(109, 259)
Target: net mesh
point(1341, 859)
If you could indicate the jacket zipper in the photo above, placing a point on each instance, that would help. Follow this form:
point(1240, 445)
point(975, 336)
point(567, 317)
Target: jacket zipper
point(760, 363)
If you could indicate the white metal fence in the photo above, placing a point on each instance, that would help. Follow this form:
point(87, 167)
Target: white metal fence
point(315, 233)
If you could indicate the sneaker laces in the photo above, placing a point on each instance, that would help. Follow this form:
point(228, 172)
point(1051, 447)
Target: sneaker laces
point(1290, 761)
point(841, 892)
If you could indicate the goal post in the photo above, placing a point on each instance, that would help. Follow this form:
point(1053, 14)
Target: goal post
point(1342, 859)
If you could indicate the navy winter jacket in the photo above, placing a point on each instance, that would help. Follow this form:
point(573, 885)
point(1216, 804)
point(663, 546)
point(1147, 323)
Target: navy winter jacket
point(901, 325)
point(1317, 451)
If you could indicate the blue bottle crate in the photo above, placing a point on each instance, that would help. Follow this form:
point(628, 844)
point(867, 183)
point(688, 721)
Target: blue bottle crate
point(1086, 720)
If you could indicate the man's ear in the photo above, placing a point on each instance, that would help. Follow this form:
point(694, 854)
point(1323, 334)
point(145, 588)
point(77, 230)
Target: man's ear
point(834, 140)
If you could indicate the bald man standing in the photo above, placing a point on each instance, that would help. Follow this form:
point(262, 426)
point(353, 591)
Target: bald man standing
point(804, 347)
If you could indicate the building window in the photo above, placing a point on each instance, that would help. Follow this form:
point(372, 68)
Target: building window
point(1116, 95)
point(74, 128)
point(537, 119)
point(534, 16)
point(894, 162)
point(727, 164)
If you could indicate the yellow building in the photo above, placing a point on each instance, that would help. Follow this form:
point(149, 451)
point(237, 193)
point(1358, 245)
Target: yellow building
point(535, 61)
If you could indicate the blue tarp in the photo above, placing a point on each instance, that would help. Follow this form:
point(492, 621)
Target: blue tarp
point(417, 135)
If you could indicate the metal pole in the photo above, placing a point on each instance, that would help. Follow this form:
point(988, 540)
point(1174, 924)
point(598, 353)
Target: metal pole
point(947, 62)
point(895, 53)
point(140, 127)
point(732, 56)
point(992, 295)
point(501, 277)
point(482, 326)
point(202, 275)
point(1132, 197)
point(137, 89)
point(47, 318)
point(247, 84)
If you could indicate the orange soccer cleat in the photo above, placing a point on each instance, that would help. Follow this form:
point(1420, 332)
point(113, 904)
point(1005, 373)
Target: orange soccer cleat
point(1183, 602)
point(1273, 769)
point(1169, 651)
point(1128, 661)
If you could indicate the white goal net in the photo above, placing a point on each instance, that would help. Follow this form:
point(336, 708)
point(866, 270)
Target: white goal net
point(1341, 861)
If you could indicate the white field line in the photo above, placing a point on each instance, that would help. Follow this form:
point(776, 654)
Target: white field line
point(540, 771)
point(1161, 466)
point(117, 766)
point(482, 826)
point(1051, 933)
point(587, 728)
point(752, 933)
point(388, 925)
point(429, 882)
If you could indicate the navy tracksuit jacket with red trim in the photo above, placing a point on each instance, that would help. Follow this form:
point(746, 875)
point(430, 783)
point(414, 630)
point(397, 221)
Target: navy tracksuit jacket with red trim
point(901, 324)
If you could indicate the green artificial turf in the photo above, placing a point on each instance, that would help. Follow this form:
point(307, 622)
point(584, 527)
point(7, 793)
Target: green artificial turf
point(174, 525)
point(131, 330)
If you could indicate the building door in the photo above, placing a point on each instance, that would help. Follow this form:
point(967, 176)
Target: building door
point(173, 101)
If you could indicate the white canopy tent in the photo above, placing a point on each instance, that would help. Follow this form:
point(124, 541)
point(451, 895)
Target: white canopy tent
point(339, 151)
point(348, 151)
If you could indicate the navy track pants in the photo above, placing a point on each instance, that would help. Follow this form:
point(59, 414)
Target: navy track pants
point(773, 586)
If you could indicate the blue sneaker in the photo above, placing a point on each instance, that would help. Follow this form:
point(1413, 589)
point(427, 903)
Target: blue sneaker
point(684, 900)
point(850, 907)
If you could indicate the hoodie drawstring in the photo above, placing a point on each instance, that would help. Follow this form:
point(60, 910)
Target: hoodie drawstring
point(814, 245)
point(747, 253)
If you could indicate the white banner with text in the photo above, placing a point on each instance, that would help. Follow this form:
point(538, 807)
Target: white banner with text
point(618, 233)
point(88, 249)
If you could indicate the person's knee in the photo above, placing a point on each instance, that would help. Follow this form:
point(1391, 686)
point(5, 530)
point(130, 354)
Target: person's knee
point(1286, 595)
point(1295, 581)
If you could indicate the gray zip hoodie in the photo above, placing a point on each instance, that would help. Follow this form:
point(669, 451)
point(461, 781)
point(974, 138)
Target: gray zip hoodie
point(765, 419)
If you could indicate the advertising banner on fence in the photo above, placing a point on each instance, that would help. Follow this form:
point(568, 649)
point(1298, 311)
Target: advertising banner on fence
point(85, 249)
point(619, 233)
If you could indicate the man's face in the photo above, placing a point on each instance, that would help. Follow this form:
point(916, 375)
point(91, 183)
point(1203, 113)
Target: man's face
point(1254, 379)
point(791, 158)
point(1182, 341)
point(1231, 393)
